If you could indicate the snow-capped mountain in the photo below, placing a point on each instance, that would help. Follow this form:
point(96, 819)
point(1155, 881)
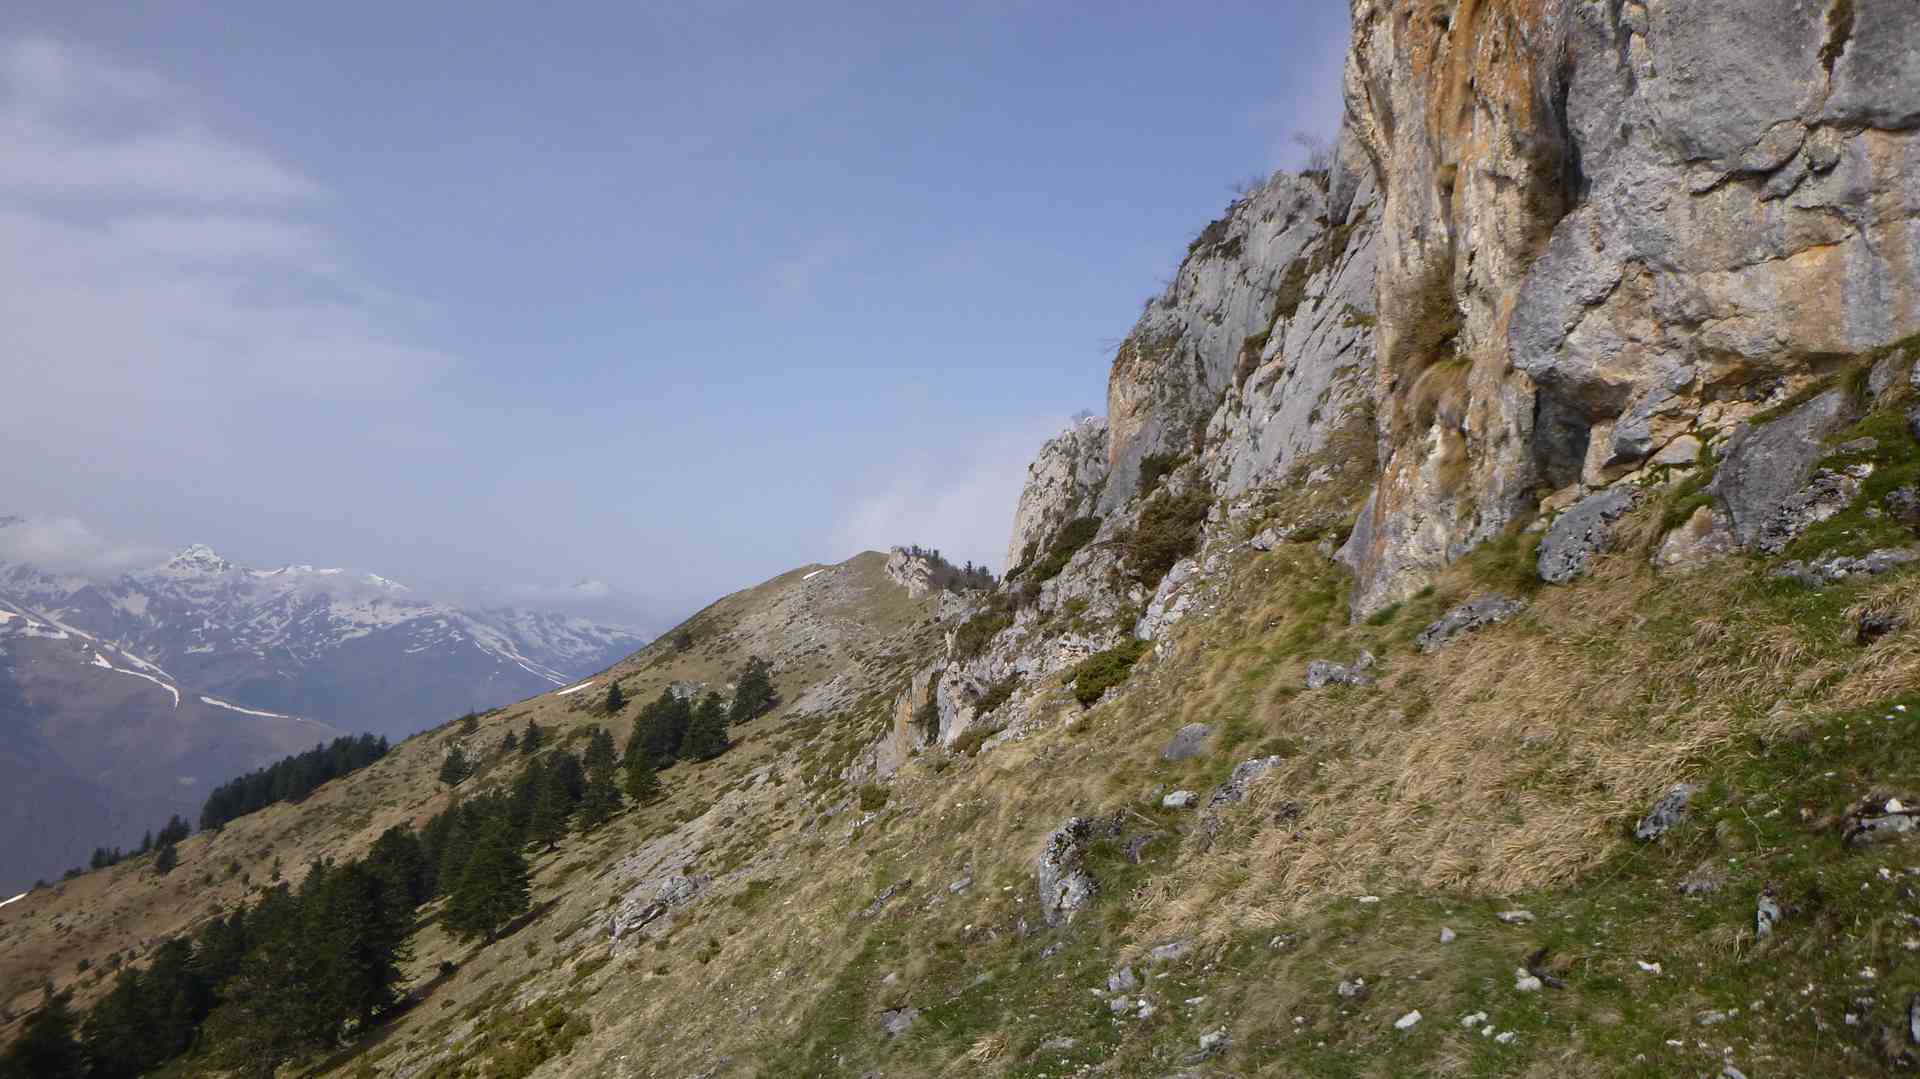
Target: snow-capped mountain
point(125, 698)
point(355, 650)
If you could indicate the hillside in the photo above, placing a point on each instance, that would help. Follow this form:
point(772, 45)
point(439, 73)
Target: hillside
point(127, 699)
point(1482, 638)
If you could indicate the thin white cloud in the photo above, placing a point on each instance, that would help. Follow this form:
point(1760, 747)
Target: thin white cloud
point(79, 125)
point(68, 545)
point(960, 502)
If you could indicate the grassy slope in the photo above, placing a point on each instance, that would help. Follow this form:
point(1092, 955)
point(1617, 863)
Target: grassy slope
point(1505, 771)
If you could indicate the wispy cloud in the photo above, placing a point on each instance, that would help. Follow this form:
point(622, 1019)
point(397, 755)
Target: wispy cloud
point(67, 545)
point(960, 502)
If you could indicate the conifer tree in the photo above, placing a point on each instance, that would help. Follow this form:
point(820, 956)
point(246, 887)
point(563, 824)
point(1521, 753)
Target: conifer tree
point(643, 780)
point(531, 740)
point(492, 888)
point(707, 734)
point(46, 1047)
point(166, 859)
point(551, 807)
point(599, 760)
point(599, 803)
point(470, 723)
point(510, 743)
point(616, 700)
point(455, 769)
point(753, 695)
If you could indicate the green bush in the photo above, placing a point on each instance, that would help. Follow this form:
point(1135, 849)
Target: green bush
point(977, 632)
point(1154, 467)
point(997, 694)
point(1074, 535)
point(1169, 530)
point(873, 797)
point(1096, 674)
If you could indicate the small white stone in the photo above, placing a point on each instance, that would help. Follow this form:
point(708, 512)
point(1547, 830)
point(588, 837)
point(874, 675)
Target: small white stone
point(1446, 935)
point(1650, 968)
point(1524, 982)
point(1366, 900)
point(1407, 1021)
point(1474, 1020)
point(1505, 1037)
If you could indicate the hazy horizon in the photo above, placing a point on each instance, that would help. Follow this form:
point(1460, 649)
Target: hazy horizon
point(577, 302)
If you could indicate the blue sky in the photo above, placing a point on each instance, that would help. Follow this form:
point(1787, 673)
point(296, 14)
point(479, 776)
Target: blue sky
point(496, 297)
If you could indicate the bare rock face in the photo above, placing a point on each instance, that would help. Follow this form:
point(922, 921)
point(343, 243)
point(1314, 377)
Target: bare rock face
point(1065, 887)
point(1605, 227)
point(1768, 465)
point(1062, 483)
point(1581, 533)
point(1267, 321)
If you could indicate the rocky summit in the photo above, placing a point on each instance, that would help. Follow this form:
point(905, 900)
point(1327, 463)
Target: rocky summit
point(1479, 639)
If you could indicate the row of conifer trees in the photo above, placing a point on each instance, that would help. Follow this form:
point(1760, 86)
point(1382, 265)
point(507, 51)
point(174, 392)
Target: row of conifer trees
point(303, 969)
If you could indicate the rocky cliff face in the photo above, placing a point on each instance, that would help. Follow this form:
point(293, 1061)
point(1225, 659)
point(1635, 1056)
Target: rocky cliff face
point(1608, 228)
point(1561, 247)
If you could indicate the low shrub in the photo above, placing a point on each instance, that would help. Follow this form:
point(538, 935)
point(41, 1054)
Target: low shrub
point(1096, 674)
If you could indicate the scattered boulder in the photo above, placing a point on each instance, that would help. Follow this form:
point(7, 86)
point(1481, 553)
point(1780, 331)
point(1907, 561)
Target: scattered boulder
point(1355, 990)
point(1766, 465)
point(1580, 533)
point(897, 1021)
point(1868, 827)
point(1876, 623)
point(1702, 538)
point(1446, 935)
point(885, 896)
point(1903, 505)
point(1667, 812)
point(1187, 743)
point(636, 912)
point(1766, 914)
point(1213, 1042)
point(1323, 672)
point(1913, 1019)
point(1122, 981)
point(1180, 800)
point(1825, 571)
point(1172, 951)
point(1244, 773)
point(1516, 917)
point(1407, 1021)
point(1704, 879)
point(1476, 613)
point(1823, 498)
point(1268, 539)
point(1524, 982)
point(1066, 888)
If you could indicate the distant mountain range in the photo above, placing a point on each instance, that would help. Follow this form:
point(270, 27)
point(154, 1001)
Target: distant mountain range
point(127, 698)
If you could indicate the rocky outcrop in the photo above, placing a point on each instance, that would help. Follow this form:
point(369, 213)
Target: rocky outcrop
point(1768, 464)
point(1063, 482)
point(1324, 672)
point(1604, 227)
point(1477, 613)
point(1065, 886)
point(921, 572)
point(1581, 533)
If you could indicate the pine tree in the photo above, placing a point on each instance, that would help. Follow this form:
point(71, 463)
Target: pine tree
point(599, 803)
point(599, 760)
point(510, 743)
point(643, 780)
point(46, 1047)
point(470, 723)
point(616, 700)
point(663, 727)
point(552, 805)
point(707, 734)
point(530, 741)
point(754, 695)
point(492, 887)
point(455, 769)
point(166, 860)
